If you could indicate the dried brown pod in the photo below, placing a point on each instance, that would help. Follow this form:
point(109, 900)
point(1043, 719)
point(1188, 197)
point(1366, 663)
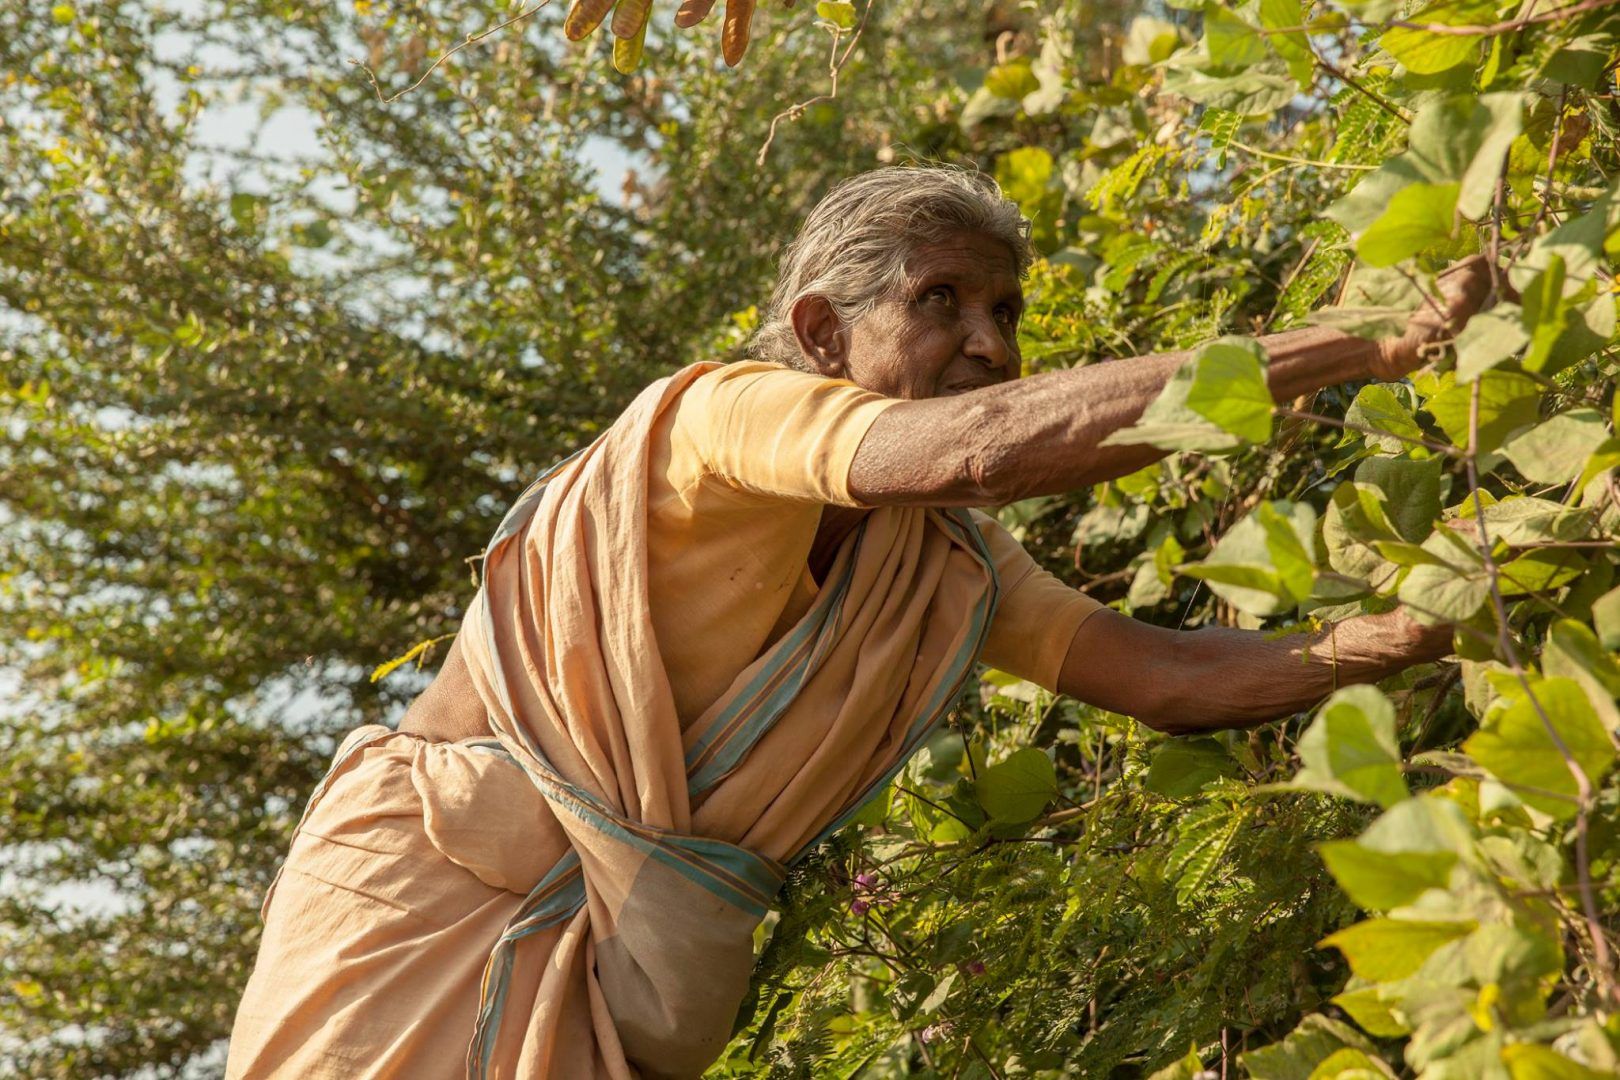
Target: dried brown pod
point(734, 36)
point(585, 16)
point(630, 16)
point(693, 12)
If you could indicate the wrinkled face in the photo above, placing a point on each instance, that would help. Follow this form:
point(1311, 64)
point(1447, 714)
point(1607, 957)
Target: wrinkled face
point(953, 329)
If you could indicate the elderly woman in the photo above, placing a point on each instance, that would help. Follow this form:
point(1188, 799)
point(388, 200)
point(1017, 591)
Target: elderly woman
point(704, 640)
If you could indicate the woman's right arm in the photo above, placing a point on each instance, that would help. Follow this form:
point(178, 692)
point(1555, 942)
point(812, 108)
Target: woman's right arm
point(1041, 435)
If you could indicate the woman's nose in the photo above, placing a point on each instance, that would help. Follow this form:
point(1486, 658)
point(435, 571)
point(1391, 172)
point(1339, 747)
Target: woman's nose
point(987, 343)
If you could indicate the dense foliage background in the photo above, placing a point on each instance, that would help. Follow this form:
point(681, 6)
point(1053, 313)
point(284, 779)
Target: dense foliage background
point(261, 409)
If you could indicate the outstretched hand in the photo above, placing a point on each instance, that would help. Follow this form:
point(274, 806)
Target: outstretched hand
point(1464, 287)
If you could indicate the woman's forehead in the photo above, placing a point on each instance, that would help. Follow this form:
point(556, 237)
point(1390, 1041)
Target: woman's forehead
point(971, 258)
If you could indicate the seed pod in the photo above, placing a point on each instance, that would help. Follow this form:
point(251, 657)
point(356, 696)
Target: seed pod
point(585, 16)
point(627, 50)
point(630, 18)
point(734, 36)
point(693, 12)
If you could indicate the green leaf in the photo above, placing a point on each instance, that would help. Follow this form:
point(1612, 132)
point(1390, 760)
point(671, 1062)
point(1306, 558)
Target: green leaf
point(1449, 587)
point(1411, 491)
point(1169, 424)
point(1229, 388)
point(1351, 1064)
point(1388, 949)
point(1419, 216)
point(1533, 1061)
point(1018, 788)
point(1606, 619)
point(1424, 52)
point(1350, 748)
point(841, 13)
point(1372, 1012)
point(1296, 1057)
point(1409, 849)
point(1508, 401)
point(1546, 316)
point(63, 14)
point(1377, 407)
point(1263, 565)
point(1489, 338)
point(1186, 1068)
point(1523, 519)
point(1181, 767)
point(1517, 748)
point(1554, 450)
point(1540, 571)
point(1014, 79)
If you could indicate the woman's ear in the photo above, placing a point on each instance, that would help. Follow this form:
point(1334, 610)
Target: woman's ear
point(823, 338)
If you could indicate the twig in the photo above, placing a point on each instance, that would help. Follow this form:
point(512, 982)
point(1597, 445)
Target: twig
point(470, 39)
point(1430, 444)
point(1491, 29)
point(1246, 148)
point(835, 64)
point(1376, 99)
point(1601, 965)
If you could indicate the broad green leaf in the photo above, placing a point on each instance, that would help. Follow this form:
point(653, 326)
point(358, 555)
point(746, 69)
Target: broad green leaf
point(1283, 18)
point(1351, 1064)
point(1419, 216)
point(841, 13)
point(1229, 388)
point(1371, 1009)
point(1533, 1061)
point(1354, 520)
point(1189, 1067)
point(1411, 490)
point(1409, 849)
point(1498, 953)
point(1387, 949)
point(1181, 767)
point(1018, 788)
point(1377, 881)
point(1606, 619)
point(1170, 424)
point(1554, 450)
point(1579, 243)
point(1523, 519)
point(1540, 571)
point(1263, 564)
point(1515, 745)
point(1258, 90)
point(1233, 44)
point(1449, 589)
point(1377, 302)
point(1489, 338)
point(1377, 407)
point(1508, 401)
point(1315, 1040)
point(1424, 52)
point(1350, 748)
point(1573, 651)
point(1014, 79)
point(1546, 316)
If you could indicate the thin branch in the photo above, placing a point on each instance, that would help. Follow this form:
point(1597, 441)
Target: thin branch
point(1601, 965)
point(835, 65)
point(1509, 26)
point(470, 39)
point(1430, 444)
point(1246, 148)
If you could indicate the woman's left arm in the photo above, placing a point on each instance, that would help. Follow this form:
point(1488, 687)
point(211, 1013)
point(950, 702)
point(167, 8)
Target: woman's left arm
point(1181, 682)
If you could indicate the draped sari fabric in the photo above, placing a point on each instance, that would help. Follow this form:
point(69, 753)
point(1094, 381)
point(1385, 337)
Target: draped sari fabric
point(654, 848)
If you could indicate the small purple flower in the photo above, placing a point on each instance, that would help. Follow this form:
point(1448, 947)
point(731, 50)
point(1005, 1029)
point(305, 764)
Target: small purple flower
point(934, 1032)
point(975, 967)
point(859, 907)
point(865, 881)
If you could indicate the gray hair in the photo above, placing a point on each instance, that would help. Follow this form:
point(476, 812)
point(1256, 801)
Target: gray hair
point(853, 247)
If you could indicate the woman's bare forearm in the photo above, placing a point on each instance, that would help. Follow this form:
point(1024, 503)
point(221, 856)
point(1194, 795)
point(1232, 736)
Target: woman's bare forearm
point(1239, 678)
point(1042, 435)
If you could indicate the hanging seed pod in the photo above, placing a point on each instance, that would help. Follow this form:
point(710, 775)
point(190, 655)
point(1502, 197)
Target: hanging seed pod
point(627, 50)
point(630, 18)
point(693, 12)
point(585, 16)
point(734, 36)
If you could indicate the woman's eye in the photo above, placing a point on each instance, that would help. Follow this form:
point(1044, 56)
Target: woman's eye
point(1005, 314)
point(941, 293)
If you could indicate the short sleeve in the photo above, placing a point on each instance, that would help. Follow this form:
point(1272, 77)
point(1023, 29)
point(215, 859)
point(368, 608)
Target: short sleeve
point(1037, 615)
point(774, 431)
